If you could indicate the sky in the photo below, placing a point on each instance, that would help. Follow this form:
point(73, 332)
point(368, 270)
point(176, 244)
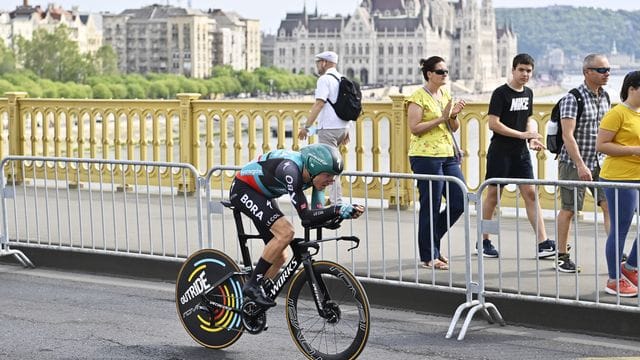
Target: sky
point(270, 12)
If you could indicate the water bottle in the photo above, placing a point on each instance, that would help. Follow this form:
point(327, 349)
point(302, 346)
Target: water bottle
point(552, 128)
point(311, 130)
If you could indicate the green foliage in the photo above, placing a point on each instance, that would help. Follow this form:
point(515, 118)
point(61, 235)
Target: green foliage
point(135, 91)
point(51, 67)
point(101, 91)
point(5, 86)
point(7, 59)
point(158, 90)
point(118, 91)
point(576, 30)
point(106, 60)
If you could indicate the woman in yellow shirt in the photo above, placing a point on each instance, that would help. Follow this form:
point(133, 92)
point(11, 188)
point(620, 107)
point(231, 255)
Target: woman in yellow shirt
point(432, 119)
point(619, 139)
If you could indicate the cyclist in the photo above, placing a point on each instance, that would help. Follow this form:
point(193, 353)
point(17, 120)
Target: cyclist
point(272, 175)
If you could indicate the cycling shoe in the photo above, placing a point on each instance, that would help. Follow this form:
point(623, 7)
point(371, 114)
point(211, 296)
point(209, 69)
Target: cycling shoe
point(256, 294)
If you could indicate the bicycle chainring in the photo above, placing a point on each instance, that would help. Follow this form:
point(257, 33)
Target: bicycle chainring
point(254, 318)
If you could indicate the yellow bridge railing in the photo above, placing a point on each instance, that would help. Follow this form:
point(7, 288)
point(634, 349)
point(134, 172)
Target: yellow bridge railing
point(205, 133)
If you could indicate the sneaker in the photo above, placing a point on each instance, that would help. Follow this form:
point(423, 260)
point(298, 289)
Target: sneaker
point(258, 295)
point(488, 250)
point(546, 249)
point(564, 264)
point(631, 275)
point(627, 289)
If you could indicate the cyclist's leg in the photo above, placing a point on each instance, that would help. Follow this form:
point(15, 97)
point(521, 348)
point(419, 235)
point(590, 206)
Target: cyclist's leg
point(262, 212)
point(270, 261)
point(267, 235)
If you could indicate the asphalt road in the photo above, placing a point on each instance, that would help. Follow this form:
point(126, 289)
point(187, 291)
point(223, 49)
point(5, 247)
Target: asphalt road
point(47, 314)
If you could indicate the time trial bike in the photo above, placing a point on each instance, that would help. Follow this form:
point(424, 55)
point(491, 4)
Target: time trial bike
point(326, 307)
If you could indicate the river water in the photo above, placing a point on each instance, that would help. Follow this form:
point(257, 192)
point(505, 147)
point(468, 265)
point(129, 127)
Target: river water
point(573, 80)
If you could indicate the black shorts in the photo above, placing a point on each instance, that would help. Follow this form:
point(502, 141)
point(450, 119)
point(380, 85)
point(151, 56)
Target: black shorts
point(508, 164)
point(263, 211)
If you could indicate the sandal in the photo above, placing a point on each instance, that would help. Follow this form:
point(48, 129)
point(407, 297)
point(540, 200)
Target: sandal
point(436, 264)
point(443, 259)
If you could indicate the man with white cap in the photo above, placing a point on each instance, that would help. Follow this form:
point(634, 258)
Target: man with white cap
point(332, 130)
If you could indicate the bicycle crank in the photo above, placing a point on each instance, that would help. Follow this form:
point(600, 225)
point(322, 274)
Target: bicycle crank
point(254, 318)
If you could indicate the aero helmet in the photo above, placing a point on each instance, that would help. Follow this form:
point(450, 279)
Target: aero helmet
point(319, 158)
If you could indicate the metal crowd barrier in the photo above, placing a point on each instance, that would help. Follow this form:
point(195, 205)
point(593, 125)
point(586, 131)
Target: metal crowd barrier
point(87, 205)
point(538, 279)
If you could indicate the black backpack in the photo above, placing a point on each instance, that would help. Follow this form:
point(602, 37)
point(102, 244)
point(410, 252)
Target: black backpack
point(554, 126)
point(348, 105)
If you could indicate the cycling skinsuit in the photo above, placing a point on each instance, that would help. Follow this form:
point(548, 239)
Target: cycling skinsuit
point(270, 176)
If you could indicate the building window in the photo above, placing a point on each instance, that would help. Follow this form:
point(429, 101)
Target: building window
point(400, 50)
point(390, 49)
point(410, 71)
point(366, 49)
point(380, 71)
point(390, 71)
point(410, 49)
point(360, 49)
point(380, 50)
point(400, 71)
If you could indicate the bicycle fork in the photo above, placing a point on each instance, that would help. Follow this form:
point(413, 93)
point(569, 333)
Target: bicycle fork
point(318, 290)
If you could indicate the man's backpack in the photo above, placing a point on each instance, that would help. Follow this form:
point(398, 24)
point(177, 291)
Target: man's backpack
point(348, 105)
point(554, 126)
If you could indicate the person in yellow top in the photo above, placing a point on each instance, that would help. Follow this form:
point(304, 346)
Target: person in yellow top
point(432, 118)
point(619, 138)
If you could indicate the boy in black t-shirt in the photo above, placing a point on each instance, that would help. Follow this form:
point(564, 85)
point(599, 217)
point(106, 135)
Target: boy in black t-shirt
point(510, 109)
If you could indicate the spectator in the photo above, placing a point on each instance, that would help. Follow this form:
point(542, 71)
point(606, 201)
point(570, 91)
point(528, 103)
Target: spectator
point(578, 159)
point(332, 130)
point(432, 118)
point(510, 109)
point(619, 139)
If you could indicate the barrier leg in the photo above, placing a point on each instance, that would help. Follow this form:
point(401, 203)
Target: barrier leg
point(456, 316)
point(495, 314)
point(488, 310)
point(19, 255)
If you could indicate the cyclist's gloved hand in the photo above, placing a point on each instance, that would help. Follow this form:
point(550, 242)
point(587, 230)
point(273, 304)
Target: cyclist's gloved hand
point(345, 211)
point(349, 211)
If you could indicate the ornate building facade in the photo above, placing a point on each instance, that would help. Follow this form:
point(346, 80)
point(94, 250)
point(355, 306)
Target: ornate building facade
point(383, 41)
point(26, 19)
point(169, 39)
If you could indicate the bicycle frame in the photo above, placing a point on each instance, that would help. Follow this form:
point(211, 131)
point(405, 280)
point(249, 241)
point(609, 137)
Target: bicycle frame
point(301, 256)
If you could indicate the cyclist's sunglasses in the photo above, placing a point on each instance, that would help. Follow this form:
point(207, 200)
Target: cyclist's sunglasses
point(441, 71)
point(601, 70)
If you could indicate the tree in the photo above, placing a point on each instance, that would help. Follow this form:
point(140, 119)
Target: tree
point(158, 90)
point(102, 91)
point(7, 59)
point(6, 86)
point(53, 56)
point(106, 60)
point(135, 91)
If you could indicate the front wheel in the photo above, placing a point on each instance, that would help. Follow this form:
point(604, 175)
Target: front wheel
point(213, 320)
point(343, 330)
